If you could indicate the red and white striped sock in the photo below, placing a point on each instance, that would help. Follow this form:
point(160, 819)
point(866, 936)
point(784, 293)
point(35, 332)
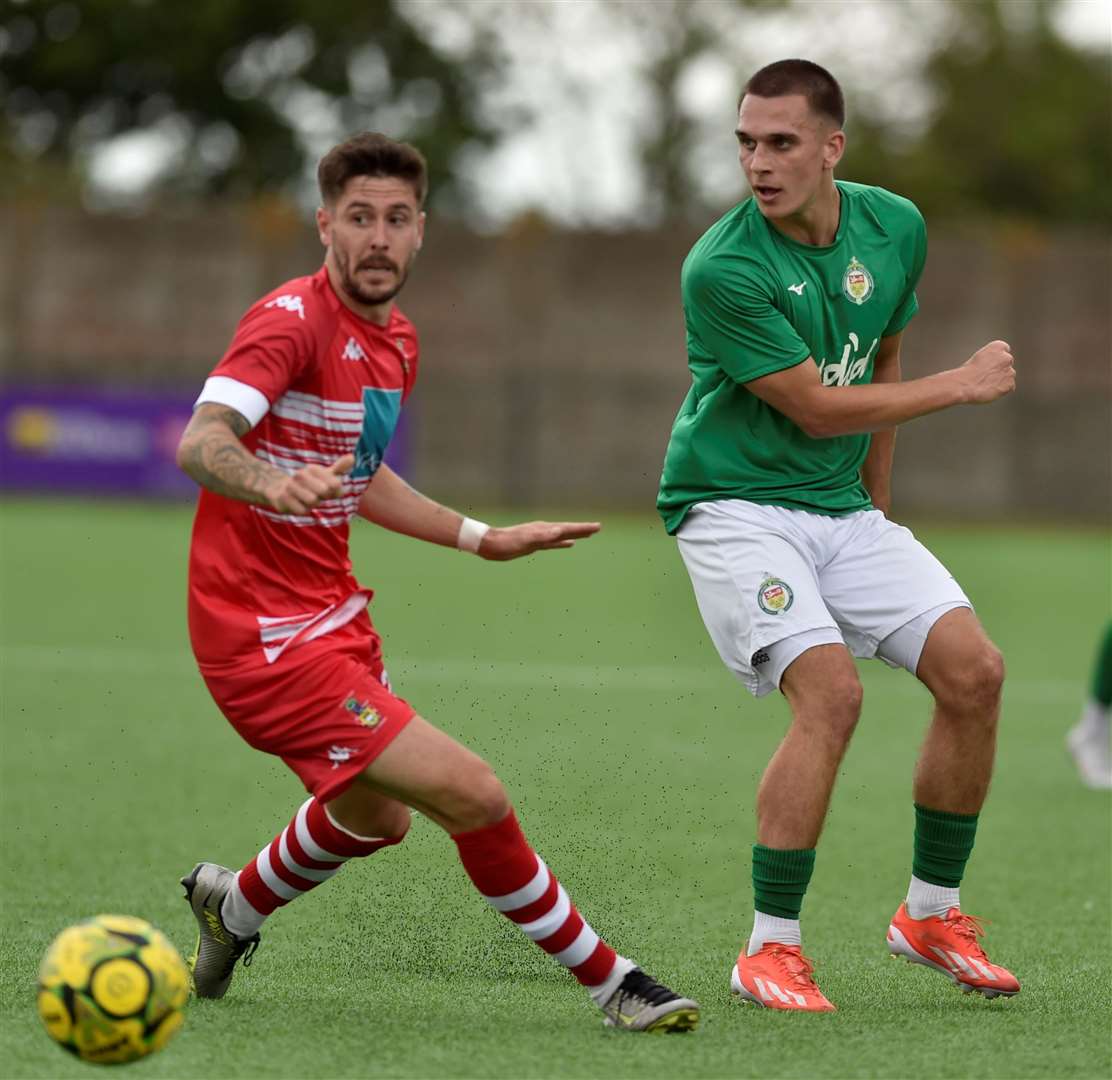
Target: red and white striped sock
point(307, 852)
point(515, 881)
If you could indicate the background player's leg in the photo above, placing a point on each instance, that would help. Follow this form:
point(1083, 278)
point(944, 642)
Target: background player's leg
point(454, 787)
point(1088, 739)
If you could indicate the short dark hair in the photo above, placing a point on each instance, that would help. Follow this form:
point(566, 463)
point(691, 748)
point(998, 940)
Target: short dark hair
point(815, 83)
point(371, 154)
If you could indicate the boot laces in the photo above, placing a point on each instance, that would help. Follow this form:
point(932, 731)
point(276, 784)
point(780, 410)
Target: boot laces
point(245, 948)
point(639, 985)
point(800, 968)
point(969, 928)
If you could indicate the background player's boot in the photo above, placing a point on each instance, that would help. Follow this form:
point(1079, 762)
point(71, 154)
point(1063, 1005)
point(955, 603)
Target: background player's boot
point(642, 1004)
point(1092, 755)
point(778, 977)
point(218, 949)
point(950, 945)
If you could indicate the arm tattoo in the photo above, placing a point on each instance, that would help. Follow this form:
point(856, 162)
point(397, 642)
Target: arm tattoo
point(213, 455)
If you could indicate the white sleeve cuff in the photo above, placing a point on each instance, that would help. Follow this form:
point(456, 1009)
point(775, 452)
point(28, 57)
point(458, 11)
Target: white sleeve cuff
point(250, 403)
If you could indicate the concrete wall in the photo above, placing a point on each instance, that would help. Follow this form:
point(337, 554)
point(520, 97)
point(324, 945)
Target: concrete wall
point(552, 364)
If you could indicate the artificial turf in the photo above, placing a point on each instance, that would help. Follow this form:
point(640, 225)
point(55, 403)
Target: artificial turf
point(587, 680)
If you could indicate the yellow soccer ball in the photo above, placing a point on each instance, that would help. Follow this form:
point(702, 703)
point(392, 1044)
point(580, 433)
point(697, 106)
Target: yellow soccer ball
point(112, 989)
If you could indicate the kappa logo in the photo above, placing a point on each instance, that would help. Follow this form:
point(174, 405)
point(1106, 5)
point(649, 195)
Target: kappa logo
point(798, 289)
point(290, 303)
point(847, 371)
point(339, 754)
point(353, 350)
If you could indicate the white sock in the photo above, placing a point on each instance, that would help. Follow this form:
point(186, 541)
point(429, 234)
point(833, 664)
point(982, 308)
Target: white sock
point(602, 993)
point(925, 899)
point(1094, 722)
point(238, 915)
point(772, 928)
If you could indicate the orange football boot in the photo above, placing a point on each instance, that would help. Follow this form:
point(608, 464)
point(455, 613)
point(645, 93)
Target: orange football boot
point(950, 945)
point(778, 977)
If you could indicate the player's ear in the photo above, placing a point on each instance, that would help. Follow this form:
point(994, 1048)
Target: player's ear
point(420, 229)
point(833, 149)
point(324, 225)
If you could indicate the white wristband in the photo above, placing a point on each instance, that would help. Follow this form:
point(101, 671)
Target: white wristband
point(471, 533)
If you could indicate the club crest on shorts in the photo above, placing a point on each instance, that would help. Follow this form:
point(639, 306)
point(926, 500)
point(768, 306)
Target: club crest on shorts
point(774, 596)
point(857, 282)
point(366, 714)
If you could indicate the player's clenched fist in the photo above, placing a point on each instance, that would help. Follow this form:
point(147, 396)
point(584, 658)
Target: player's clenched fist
point(300, 492)
point(989, 373)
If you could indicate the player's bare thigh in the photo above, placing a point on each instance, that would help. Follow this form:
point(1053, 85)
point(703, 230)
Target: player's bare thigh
point(428, 770)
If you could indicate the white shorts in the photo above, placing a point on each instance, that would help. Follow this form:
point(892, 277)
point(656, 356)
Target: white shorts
point(772, 583)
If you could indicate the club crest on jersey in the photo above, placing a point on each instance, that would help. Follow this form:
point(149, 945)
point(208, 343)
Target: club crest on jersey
point(365, 713)
point(774, 596)
point(857, 282)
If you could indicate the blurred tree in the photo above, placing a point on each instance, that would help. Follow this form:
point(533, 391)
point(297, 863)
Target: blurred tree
point(1023, 121)
point(242, 96)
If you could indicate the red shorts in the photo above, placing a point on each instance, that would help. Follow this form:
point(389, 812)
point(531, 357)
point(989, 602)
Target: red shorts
point(325, 707)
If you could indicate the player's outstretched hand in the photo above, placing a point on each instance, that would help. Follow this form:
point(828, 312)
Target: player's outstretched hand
point(989, 373)
point(500, 545)
point(300, 492)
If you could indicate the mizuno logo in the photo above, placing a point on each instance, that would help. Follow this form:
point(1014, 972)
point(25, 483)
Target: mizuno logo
point(798, 289)
point(353, 350)
point(290, 303)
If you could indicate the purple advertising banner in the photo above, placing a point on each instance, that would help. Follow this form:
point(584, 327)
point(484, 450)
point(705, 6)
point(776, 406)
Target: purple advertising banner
point(103, 441)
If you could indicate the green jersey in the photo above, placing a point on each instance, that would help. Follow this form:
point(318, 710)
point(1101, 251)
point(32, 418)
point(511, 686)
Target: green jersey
point(756, 302)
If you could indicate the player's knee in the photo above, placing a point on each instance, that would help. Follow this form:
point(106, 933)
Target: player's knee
point(976, 683)
point(475, 799)
point(830, 710)
point(842, 699)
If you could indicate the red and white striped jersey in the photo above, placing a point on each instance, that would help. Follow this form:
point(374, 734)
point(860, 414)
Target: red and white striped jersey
point(317, 382)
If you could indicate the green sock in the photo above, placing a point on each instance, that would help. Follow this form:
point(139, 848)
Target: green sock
point(943, 842)
point(1102, 671)
point(780, 879)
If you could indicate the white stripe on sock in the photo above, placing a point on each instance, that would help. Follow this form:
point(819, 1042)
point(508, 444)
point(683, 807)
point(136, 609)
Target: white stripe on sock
point(271, 880)
point(237, 913)
point(295, 867)
point(305, 838)
point(579, 950)
point(529, 892)
point(552, 920)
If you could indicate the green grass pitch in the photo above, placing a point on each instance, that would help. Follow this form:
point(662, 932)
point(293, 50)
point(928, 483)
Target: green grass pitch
point(587, 679)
